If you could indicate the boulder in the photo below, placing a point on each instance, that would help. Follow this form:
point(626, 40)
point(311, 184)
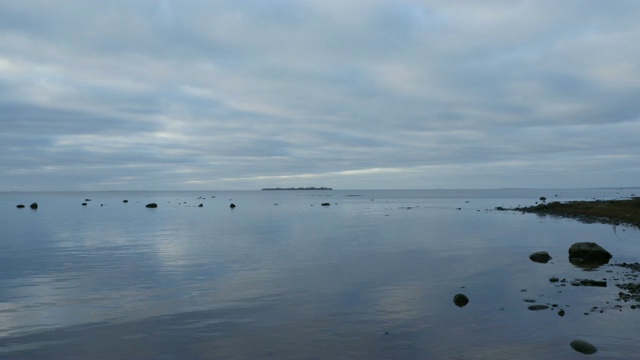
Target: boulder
point(326, 204)
point(20, 206)
point(588, 253)
point(232, 205)
point(583, 346)
point(540, 257)
point(460, 300)
point(200, 205)
point(152, 205)
point(84, 204)
point(34, 206)
point(125, 201)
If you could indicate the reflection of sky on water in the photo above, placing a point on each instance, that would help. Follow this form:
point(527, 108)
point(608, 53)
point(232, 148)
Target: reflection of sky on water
point(296, 278)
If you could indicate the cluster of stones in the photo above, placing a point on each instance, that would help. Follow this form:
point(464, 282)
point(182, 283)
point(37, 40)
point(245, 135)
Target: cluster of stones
point(34, 206)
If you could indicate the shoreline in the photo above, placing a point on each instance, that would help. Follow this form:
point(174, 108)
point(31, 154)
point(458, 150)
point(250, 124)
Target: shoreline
point(613, 212)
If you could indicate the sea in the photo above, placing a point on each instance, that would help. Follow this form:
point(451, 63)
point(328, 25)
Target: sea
point(371, 274)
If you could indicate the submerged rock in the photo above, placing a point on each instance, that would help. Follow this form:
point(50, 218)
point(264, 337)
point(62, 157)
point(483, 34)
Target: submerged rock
point(538, 307)
point(151, 205)
point(20, 206)
point(588, 253)
point(540, 257)
point(34, 206)
point(125, 201)
point(200, 205)
point(326, 204)
point(583, 346)
point(233, 206)
point(460, 300)
point(84, 204)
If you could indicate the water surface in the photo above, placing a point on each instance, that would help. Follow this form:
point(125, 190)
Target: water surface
point(371, 276)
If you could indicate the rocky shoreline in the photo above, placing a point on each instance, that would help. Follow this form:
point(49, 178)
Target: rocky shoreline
point(614, 212)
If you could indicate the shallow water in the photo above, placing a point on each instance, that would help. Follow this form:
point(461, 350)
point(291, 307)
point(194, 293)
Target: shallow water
point(280, 276)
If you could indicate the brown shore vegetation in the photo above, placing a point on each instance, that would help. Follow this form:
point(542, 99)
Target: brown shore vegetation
point(597, 211)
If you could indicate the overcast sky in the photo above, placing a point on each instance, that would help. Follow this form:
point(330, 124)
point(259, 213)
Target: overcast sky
point(358, 94)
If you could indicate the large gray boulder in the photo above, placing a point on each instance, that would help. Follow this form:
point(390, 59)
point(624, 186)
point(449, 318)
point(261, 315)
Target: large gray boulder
point(588, 253)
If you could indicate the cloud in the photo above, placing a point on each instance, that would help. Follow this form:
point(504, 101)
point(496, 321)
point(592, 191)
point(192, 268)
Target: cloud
point(235, 94)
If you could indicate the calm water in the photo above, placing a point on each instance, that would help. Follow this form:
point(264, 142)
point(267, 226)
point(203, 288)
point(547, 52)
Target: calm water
point(281, 277)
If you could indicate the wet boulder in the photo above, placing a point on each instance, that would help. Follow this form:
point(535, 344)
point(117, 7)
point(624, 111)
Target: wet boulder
point(583, 346)
point(151, 205)
point(540, 257)
point(588, 253)
point(34, 206)
point(20, 206)
point(233, 206)
point(460, 300)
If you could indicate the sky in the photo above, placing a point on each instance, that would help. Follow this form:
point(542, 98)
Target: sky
point(358, 94)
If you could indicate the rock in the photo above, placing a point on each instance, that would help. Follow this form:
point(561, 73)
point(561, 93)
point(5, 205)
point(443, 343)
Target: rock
point(34, 206)
point(151, 205)
point(583, 347)
point(20, 206)
point(233, 206)
point(588, 253)
point(87, 199)
point(326, 204)
point(542, 198)
point(589, 282)
point(538, 307)
point(460, 300)
point(125, 201)
point(84, 204)
point(200, 205)
point(561, 312)
point(540, 257)
point(554, 279)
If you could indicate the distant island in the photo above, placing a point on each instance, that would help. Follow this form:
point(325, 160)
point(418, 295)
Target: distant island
point(300, 188)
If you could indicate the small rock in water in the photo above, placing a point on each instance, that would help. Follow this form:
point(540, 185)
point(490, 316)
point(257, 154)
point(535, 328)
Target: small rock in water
point(200, 205)
point(84, 204)
point(538, 307)
point(540, 257)
point(530, 300)
point(34, 206)
point(151, 205)
point(125, 201)
point(325, 204)
point(561, 312)
point(460, 300)
point(554, 279)
point(232, 205)
point(583, 346)
point(20, 206)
